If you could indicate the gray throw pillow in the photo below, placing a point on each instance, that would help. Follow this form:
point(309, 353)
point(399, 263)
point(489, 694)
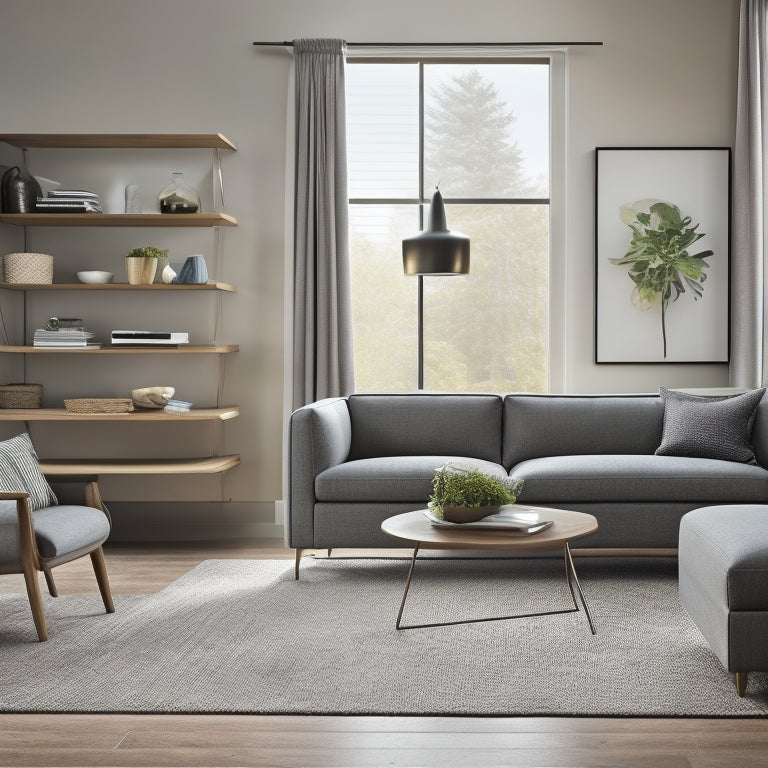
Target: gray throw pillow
point(19, 471)
point(709, 427)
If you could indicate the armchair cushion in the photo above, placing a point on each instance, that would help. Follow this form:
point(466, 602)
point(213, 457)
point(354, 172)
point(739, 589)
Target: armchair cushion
point(19, 472)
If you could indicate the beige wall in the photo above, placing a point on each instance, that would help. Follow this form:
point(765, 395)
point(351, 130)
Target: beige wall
point(664, 77)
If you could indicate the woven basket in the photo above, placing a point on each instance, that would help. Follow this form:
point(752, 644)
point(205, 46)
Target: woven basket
point(21, 395)
point(99, 405)
point(27, 268)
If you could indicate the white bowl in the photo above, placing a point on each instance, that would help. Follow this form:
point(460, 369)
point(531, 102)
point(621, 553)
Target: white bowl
point(94, 276)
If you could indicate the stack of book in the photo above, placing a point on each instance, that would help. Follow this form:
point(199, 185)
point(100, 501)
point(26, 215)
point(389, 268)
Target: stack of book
point(64, 337)
point(69, 201)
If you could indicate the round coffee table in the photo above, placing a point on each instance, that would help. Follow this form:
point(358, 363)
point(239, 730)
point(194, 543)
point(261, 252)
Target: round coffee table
point(566, 526)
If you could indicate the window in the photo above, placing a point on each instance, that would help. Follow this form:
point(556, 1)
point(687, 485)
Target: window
point(481, 130)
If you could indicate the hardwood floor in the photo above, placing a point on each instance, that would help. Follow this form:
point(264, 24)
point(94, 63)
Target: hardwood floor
point(288, 741)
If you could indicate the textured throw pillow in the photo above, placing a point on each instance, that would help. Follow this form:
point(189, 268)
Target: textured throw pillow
point(19, 471)
point(709, 427)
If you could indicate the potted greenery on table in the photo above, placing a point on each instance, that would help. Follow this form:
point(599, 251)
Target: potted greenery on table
point(462, 494)
point(141, 264)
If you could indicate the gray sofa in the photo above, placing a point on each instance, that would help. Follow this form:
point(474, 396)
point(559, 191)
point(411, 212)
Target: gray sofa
point(355, 461)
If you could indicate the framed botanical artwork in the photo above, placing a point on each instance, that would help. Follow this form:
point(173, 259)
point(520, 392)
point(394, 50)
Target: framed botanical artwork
point(662, 253)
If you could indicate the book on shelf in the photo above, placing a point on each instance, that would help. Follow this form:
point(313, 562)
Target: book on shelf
point(150, 337)
point(63, 337)
point(517, 522)
point(81, 194)
point(67, 205)
point(68, 344)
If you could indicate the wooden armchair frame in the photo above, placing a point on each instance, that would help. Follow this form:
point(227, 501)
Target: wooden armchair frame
point(32, 561)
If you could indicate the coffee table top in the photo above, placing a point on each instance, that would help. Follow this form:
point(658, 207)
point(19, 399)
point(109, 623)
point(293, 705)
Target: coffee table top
point(566, 525)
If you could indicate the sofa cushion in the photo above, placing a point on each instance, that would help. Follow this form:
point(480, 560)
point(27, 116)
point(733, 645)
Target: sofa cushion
point(620, 478)
point(727, 544)
point(422, 425)
point(562, 425)
point(391, 478)
point(709, 427)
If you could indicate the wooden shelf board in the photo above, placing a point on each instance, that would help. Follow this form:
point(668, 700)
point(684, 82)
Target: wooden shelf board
point(119, 219)
point(182, 349)
point(207, 465)
point(61, 414)
point(118, 140)
point(116, 287)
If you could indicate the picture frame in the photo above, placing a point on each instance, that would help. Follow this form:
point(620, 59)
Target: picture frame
point(662, 254)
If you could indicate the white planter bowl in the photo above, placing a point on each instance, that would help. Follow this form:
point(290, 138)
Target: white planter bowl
point(94, 276)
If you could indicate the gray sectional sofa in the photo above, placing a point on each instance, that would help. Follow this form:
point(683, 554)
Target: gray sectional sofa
point(355, 461)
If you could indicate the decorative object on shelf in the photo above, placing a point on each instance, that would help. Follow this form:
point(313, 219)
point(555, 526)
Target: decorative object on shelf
point(19, 190)
point(94, 276)
point(57, 323)
point(194, 271)
point(178, 196)
point(28, 268)
point(132, 199)
point(168, 274)
point(99, 405)
point(21, 395)
point(162, 338)
point(141, 264)
point(179, 407)
point(152, 397)
point(462, 494)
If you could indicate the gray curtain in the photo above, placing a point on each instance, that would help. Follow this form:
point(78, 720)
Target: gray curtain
point(749, 356)
point(322, 320)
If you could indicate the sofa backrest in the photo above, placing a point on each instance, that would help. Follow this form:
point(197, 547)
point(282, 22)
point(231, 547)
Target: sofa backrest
point(425, 425)
point(569, 425)
point(760, 432)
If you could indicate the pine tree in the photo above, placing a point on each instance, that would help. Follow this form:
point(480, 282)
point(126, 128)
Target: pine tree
point(466, 140)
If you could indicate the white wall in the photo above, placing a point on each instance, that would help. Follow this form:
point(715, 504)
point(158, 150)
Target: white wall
point(665, 76)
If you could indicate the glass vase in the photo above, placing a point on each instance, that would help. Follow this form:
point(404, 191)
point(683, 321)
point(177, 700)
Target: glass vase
point(178, 196)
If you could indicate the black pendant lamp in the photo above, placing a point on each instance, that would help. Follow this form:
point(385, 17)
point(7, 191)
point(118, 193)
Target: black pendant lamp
point(436, 250)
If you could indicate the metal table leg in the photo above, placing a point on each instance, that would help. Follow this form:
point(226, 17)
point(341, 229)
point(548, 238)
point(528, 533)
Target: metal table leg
point(572, 578)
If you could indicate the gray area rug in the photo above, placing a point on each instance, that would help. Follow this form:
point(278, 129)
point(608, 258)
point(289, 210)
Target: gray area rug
point(243, 636)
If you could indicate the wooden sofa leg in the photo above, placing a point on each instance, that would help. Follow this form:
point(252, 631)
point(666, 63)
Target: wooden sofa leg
point(100, 569)
point(36, 603)
point(741, 683)
point(299, 553)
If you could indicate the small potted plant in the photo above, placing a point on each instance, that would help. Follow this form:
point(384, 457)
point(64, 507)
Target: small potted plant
point(463, 494)
point(141, 264)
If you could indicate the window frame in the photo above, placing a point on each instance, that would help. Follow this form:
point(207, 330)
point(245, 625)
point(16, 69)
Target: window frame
point(557, 62)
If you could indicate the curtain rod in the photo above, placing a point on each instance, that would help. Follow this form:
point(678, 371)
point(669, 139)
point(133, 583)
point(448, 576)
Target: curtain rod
point(289, 43)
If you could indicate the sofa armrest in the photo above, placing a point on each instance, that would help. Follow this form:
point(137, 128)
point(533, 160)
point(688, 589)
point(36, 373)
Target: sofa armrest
point(320, 437)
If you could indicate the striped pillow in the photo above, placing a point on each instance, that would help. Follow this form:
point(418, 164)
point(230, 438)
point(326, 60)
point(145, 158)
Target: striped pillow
point(19, 471)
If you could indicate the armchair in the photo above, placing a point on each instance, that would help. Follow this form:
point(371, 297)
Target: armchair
point(38, 536)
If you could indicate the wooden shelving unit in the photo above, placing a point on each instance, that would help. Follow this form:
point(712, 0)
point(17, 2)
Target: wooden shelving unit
point(216, 219)
point(182, 349)
point(118, 219)
point(117, 140)
point(116, 287)
point(61, 414)
point(206, 465)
